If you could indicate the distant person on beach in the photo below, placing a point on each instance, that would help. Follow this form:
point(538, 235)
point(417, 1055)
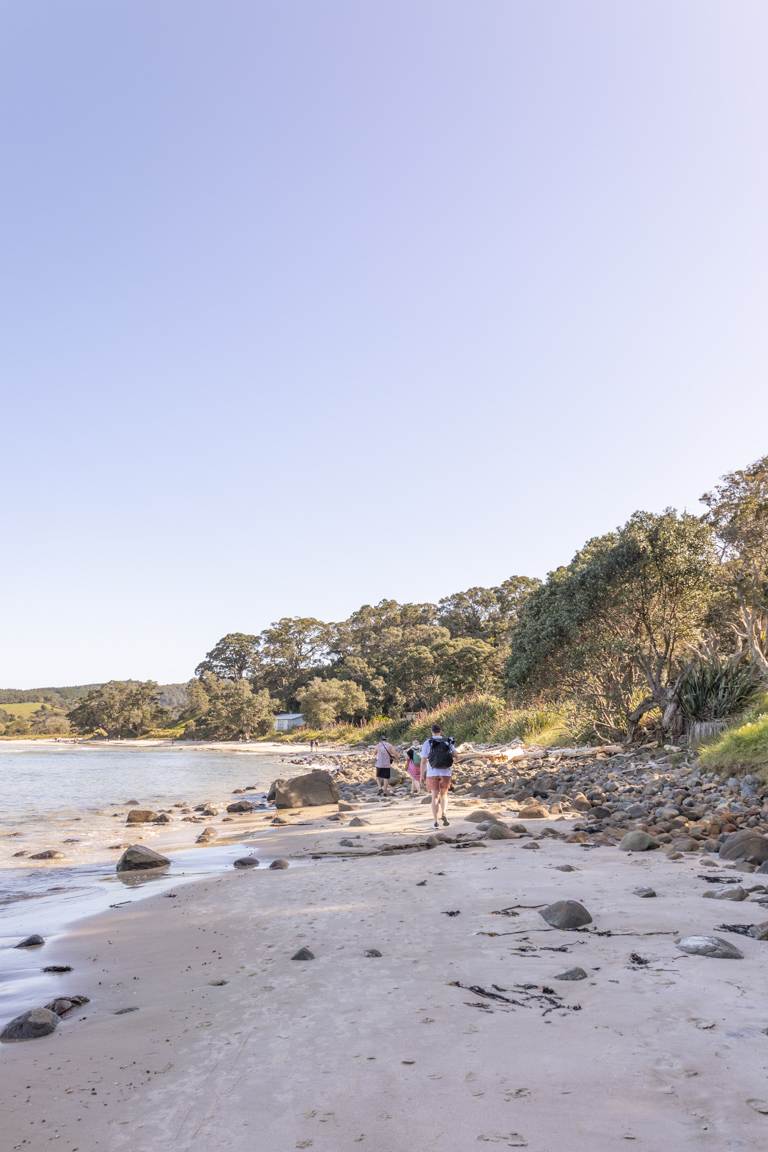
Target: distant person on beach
point(413, 768)
point(385, 756)
point(437, 754)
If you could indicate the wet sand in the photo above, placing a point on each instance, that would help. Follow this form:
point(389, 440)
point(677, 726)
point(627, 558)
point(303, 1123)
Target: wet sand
point(233, 1045)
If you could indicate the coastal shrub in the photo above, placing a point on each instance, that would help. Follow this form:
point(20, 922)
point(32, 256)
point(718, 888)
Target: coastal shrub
point(716, 688)
point(743, 748)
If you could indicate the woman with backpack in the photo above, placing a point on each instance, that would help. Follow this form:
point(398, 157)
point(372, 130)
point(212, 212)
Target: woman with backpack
point(437, 754)
point(385, 755)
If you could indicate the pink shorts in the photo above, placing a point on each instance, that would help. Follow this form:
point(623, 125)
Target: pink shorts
point(438, 783)
point(414, 771)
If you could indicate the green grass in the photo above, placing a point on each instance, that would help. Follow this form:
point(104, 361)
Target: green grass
point(744, 747)
point(481, 719)
point(24, 710)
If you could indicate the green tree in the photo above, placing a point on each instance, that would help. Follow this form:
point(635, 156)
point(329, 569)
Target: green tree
point(467, 665)
point(291, 651)
point(232, 657)
point(324, 702)
point(223, 709)
point(616, 627)
point(121, 708)
point(738, 514)
point(487, 614)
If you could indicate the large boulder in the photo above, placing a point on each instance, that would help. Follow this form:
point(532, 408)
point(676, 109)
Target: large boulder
point(308, 791)
point(137, 857)
point(31, 1025)
point(713, 946)
point(638, 841)
point(744, 847)
point(566, 914)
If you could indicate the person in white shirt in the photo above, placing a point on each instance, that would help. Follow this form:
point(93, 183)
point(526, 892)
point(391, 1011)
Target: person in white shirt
point(437, 755)
point(385, 756)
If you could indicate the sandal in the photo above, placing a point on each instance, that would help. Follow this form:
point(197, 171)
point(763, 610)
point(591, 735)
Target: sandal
point(445, 822)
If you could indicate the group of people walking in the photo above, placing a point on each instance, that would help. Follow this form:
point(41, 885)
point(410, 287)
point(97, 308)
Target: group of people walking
point(431, 766)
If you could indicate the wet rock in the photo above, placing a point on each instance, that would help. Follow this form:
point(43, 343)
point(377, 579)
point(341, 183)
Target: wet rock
point(566, 914)
point(358, 822)
point(279, 865)
point(571, 974)
point(307, 791)
point(644, 893)
point(47, 854)
point(713, 946)
point(141, 816)
point(759, 931)
point(206, 836)
point(31, 1025)
point(138, 857)
point(745, 847)
point(64, 1004)
point(240, 806)
point(246, 862)
point(638, 841)
point(58, 968)
point(303, 954)
point(33, 941)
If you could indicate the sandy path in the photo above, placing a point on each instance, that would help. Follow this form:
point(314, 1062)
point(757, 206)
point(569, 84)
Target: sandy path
point(348, 1052)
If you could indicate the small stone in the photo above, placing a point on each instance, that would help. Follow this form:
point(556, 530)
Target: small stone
point(760, 1106)
point(644, 893)
point(759, 931)
point(31, 1025)
point(246, 862)
point(373, 953)
point(303, 954)
point(64, 1004)
point(125, 1011)
point(141, 816)
point(278, 865)
point(565, 868)
point(58, 967)
point(47, 854)
point(218, 983)
point(713, 946)
point(31, 942)
point(572, 974)
point(357, 822)
point(566, 914)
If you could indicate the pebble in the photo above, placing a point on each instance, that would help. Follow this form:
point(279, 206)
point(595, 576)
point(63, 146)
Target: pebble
point(303, 954)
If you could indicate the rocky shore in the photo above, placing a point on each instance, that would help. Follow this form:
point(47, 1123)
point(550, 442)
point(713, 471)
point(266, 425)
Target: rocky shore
point(551, 963)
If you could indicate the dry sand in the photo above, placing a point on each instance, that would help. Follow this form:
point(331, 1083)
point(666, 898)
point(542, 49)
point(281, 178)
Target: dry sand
point(387, 1054)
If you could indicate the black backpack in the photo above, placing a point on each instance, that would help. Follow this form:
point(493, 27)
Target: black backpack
point(440, 752)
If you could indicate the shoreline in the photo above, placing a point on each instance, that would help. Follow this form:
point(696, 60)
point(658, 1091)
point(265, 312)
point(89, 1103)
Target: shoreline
point(228, 1041)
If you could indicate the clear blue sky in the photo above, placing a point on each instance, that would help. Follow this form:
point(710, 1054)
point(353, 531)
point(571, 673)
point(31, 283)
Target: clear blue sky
point(291, 289)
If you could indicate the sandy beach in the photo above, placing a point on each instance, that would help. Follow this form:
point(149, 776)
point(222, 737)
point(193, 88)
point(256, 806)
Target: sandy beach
point(459, 1035)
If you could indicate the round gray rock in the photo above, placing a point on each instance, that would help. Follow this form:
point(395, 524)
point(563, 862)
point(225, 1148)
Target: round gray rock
point(566, 914)
point(31, 1025)
point(31, 942)
point(138, 857)
point(279, 864)
point(246, 862)
point(637, 841)
point(745, 847)
point(572, 974)
point(713, 946)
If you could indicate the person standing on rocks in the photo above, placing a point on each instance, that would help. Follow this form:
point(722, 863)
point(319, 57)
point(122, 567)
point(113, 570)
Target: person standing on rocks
point(385, 756)
point(437, 754)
